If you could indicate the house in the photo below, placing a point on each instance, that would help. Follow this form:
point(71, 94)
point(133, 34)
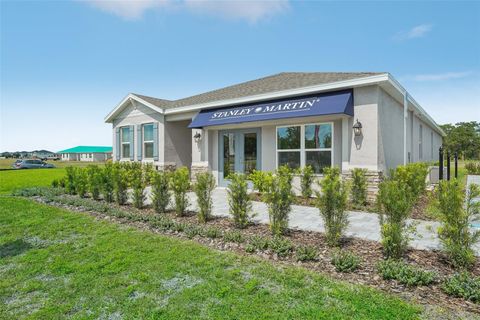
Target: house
point(86, 153)
point(322, 119)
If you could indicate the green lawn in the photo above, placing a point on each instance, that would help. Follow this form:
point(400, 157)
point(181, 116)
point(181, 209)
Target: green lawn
point(55, 263)
point(13, 179)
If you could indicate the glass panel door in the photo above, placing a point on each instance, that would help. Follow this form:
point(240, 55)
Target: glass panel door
point(228, 154)
point(249, 152)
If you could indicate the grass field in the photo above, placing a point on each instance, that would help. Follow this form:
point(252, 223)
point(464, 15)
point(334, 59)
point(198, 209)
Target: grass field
point(15, 179)
point(7, 163)
point(55, 263)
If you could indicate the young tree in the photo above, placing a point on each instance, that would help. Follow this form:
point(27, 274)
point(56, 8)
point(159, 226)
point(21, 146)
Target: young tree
point(306, 181)
point(203, 189)
point(359, 187)
point(179, 184)
point(238, 200)
point(160, 191)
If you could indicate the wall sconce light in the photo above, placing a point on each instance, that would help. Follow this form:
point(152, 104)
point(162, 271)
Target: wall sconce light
point(197, 137)
point(357, 128)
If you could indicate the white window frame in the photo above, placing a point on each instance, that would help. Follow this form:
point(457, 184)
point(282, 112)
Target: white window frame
point(303, 150)
point(122, 143)
point(145, 141)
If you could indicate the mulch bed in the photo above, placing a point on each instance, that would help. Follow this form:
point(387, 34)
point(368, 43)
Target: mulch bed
point(370, 253)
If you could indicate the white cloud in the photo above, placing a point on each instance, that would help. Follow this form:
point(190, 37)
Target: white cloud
point(441, 76)
point(416, 32)
point(251, 11)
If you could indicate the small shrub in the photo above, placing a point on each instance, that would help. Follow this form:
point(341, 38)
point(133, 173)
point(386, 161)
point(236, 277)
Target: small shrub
point(306, 181)
point(259, 243)
point(212, 232)
point(412, 177)
point(81, 182)
point(94, 180)
point(138, 184)
point(359, 187)
point(107, 185)
point(192, 231)
point(260, 180)
point(239, 202)
point(473, 167)
point(250, 248)
point(281, 246)
point(233, 236)
point(332, 203)
point(70, 173)
point(279, 198)
point(394, 208)
point(180, 183)
point(203, 189)
point(406, 274)
point(463, 285)
point(179, 227)
point(455, 235)
point(38, 191)
point(345, 261)
point(120, 184)
point(163, 223)
point(306, 253)
point(160, 191)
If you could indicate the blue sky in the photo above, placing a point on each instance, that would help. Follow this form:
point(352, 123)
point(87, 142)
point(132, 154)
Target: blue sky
point(65, 65)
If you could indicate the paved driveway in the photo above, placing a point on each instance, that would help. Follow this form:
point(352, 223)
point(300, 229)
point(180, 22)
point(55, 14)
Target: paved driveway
point(362, 225)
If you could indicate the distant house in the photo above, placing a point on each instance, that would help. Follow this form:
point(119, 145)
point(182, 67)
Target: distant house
point(86, 153)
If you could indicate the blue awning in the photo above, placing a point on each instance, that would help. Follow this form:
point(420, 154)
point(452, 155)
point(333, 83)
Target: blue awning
point(339, 102)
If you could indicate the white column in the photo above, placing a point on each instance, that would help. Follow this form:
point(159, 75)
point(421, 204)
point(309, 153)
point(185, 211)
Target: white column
point(346, 137)
point(405, 116)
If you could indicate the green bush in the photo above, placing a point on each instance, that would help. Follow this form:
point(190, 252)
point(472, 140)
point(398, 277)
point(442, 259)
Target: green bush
point(473, 167)
point(203, 189)
point(233, 236)
point(394, 208)
point(279, 198)
point(70, 173)
point(107, 185)
point(81, 182)
point(463, 285)
point(38, 191)
point(281, 246)
point(192, 231)
point(345, 261)
point(120, 184)
point(359, 187)
point(306, 181)
point(212, 232)
point(406, 274)
point(138, 184)
point(455, 213)
point(412, 177)
point(306, 253)
point(332, 203)
point(260, 180)
point(94, 179)
point(259, 243)
point(179, 184)
point(239, 202)
point(160, 191)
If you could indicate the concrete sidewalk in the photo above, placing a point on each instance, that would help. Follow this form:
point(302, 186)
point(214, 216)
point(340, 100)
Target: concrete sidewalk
point(362, 225)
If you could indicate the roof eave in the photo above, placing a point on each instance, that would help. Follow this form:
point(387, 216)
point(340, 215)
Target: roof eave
point(129, 99)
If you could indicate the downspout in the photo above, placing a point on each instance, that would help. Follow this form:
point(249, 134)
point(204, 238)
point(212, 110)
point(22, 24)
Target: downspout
point(405, 116)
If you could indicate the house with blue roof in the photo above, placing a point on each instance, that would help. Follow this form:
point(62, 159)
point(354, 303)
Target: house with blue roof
point(86, 153)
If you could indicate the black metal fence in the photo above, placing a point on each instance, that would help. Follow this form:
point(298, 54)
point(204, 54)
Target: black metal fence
point(444, 156)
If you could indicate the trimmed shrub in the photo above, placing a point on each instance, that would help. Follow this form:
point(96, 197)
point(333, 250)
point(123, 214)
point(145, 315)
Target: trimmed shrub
point(233, 236)
point(306, 181)
point(281, 246)
point(473, 167)
point(332, 203)
point(260, 180)
point(394, 205)
point(95, 179)
point(279, 198)
point(345, 261)
point(107, 185)
point(306, 253)
point(203, 189)
point(259, 243)
point(404, 273)
point(463, 285)
point(137, 182)
point(120, 184)
point(455, 235)
point(81, 182)
point(412, 177)
point(359, 187)
point(180, 183)
point(160, 191)
point(70, 173)
point(239, 202)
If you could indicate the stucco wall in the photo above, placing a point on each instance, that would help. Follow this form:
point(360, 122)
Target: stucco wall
point(178, 143)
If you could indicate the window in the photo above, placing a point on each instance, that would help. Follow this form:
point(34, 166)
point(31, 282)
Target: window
point(148, 140)
point(310, 144)
point(125, 142)
point(420, 143)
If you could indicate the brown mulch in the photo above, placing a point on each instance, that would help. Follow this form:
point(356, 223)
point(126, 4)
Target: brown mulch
point(370, 253)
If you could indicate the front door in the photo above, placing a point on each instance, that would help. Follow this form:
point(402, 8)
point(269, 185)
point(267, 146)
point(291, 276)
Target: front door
point(239, 152)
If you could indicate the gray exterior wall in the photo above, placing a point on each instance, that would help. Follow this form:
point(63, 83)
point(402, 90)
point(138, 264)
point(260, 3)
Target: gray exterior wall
point(178, 143)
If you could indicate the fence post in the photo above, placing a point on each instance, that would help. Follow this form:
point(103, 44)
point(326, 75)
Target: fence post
point(456, 164)
point(440, 163)
point(448, 165)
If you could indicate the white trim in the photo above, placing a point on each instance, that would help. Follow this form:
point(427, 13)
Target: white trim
point(144, 155)
point(129, 98)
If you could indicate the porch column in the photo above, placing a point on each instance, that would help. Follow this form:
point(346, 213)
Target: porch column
point(346, 137)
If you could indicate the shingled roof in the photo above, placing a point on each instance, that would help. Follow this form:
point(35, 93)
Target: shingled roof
point(277, 82)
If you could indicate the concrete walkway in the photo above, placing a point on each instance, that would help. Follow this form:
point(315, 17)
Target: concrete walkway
point(362, 225)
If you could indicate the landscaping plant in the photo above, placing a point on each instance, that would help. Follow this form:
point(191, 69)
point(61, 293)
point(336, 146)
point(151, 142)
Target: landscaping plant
point(345, 261)
point(473, 167)
point(332, 202)
point(359, 187)
point(395, 205)
point(456, 213)
point(107, 185)
point(203, 189)
point(81, 182)
point(281, 246)
point(463, 285)
point(306, 181)
point(233, 236)
point(306, 253)
point(259, 243)
point(138, 184)
point(160, 191)
point(120, 184)
point(260, 180)
point(70, 173)
point(239, 202)
point(412, 177)
point(95, 179)
point(279, 198)
point(404, 273)
point(179, 184)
